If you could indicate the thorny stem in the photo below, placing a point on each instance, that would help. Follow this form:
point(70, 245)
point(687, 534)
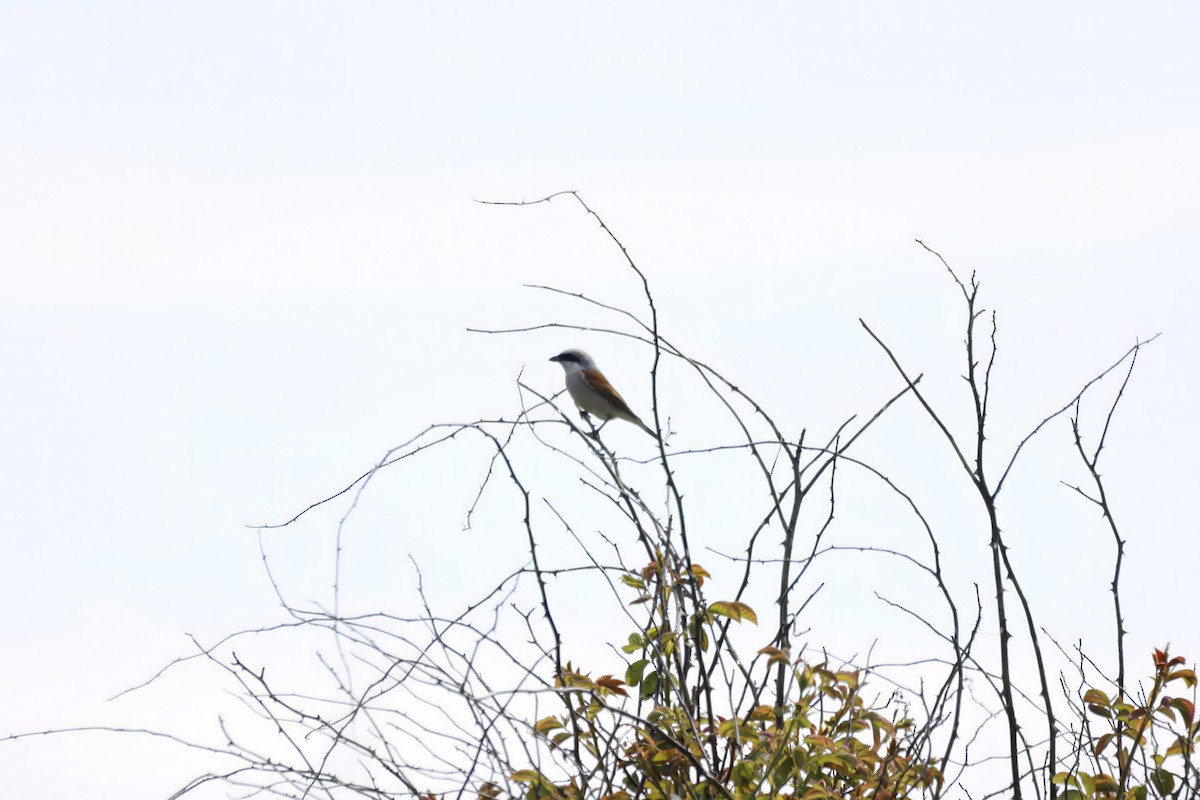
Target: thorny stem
point(1101, 500)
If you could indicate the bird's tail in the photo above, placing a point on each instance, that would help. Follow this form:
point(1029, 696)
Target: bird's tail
point(646, 428)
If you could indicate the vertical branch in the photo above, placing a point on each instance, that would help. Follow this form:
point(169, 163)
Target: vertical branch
point(1101, 500)
point(783, 637)
point(979, 394)
point(996, 544)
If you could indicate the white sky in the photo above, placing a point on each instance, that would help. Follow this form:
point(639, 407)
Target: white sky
point(239, 252)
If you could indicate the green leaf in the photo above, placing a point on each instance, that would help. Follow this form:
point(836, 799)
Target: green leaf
point(547, 724)
point(734, 610)
point(1163, 781)
point(743, 775)
point(633, 675)
point(735, 729)
point(775, 655)
point(784, 771)
point(527, 776)
point(1187, 675)
point(649, 685)
point(848, 677)
point(1063, 778)
point(634, 582)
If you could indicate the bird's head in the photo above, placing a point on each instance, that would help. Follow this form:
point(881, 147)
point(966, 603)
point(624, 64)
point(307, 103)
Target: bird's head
point(574, 359)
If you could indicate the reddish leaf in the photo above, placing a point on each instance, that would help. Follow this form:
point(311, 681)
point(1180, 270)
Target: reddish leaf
point(611, 685)
point(823, 741)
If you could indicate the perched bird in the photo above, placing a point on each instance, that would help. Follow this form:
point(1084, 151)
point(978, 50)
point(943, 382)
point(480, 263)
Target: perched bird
point(592, 392)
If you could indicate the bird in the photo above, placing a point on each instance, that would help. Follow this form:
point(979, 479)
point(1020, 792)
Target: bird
point(592, 392)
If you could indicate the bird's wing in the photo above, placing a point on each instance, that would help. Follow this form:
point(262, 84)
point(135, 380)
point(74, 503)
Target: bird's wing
point(595, 379)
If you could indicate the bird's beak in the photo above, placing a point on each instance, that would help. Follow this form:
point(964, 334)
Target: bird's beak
point(553, 358)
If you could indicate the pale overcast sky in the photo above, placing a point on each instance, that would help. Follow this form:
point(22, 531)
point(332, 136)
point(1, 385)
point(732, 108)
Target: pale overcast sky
point(239, 251)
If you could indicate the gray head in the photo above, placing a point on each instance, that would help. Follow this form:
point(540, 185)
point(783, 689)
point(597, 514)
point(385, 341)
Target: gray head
point(574, 358)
